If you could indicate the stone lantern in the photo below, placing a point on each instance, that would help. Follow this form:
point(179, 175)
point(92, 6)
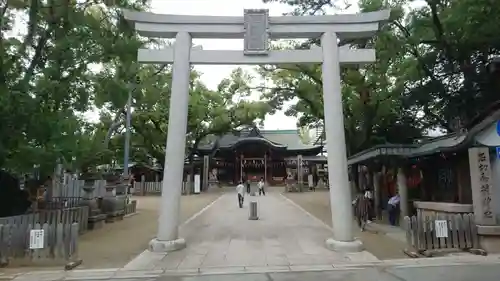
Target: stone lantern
point(113, 203)
point(96, 218)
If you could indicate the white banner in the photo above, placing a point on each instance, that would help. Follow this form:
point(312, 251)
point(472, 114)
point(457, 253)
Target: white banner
point(196, 184)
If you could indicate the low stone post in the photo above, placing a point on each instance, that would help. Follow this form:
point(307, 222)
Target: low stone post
point(253, 211)
point(143, 185)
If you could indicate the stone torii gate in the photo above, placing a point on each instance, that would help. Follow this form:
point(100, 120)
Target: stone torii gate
point(257, 28)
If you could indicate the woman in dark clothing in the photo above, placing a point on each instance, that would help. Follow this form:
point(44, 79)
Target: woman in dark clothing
point(248, 186)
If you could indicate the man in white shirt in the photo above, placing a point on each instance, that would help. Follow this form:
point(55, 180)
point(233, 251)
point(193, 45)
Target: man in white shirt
point(240, 189)
point(393, 208)
point(260, 185)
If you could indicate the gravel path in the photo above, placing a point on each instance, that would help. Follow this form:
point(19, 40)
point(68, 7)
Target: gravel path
point(117, 243)
point(318, 204)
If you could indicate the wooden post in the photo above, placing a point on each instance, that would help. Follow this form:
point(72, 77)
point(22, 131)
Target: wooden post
point(206, 168)
point(376, 194)
point(241, 168)
point(355, 177)
point(402, 188)
point(299, 172)
point(265, 168)
point(271, 168)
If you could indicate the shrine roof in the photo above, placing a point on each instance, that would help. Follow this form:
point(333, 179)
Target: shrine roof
point(284, 139)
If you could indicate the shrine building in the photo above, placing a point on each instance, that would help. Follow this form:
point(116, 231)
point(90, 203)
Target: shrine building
point(253, 154)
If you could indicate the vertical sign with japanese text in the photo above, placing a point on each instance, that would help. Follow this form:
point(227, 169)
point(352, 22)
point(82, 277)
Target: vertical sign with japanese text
point(481, 185)
point(36, 239)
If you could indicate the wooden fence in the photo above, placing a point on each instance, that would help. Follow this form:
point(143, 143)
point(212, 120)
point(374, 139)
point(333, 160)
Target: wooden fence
point(131, 207)
point(77, 215)
point(427, 234)
point(56, 203)
point(74, 188)
point(59, 242)
point(151, 188)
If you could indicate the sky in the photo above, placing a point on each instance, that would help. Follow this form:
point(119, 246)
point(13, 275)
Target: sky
point(213, 74)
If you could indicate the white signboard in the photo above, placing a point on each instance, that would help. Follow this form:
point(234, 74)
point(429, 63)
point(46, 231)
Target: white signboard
point(441, 227)
point(36, 239)
point(196, 184)
point(310, 181)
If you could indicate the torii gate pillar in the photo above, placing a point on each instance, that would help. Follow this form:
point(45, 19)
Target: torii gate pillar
point(167, 238)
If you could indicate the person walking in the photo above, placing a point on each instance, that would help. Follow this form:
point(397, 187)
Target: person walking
point(261, 187)
point(240, 189)
point(361, 210)
point(248, 186)
point(393, 208)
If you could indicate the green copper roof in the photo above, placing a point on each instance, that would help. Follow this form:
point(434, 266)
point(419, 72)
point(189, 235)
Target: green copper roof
point(289, 139)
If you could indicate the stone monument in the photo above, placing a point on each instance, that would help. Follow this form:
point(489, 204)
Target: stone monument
point(96, 217)
point(114, 200)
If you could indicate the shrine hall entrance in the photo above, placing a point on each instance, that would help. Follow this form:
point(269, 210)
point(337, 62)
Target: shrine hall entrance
point(253, 169)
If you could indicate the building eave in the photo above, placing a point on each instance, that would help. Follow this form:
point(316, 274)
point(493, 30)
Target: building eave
point(448, 143)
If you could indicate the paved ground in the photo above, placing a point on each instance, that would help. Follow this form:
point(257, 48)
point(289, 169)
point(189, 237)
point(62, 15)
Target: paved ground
point(318, 204)
point(459, 268)
point(223, 237)
point(116, 244)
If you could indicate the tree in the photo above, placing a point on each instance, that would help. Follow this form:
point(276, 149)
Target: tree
point(443, 63)
point(450, 44)
point(222, 111)
point(210, 112)
point(373, 108)
point(46, 76)
point(305, 135)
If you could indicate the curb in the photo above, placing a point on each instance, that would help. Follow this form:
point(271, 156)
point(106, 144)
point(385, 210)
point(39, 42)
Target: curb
point(114, 273)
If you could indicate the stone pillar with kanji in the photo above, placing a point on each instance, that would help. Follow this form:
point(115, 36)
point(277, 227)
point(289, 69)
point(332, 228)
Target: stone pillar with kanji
point(481, 185)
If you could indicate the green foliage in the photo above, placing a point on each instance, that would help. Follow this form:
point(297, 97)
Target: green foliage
point(431, 70)
point(373, 108)
point(47, 80)
point(449, 46)
point(77, 56)
point(210, 112)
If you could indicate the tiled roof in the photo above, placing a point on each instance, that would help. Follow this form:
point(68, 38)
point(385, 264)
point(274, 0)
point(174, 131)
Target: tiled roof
point(447, 143)
point(288, 139)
